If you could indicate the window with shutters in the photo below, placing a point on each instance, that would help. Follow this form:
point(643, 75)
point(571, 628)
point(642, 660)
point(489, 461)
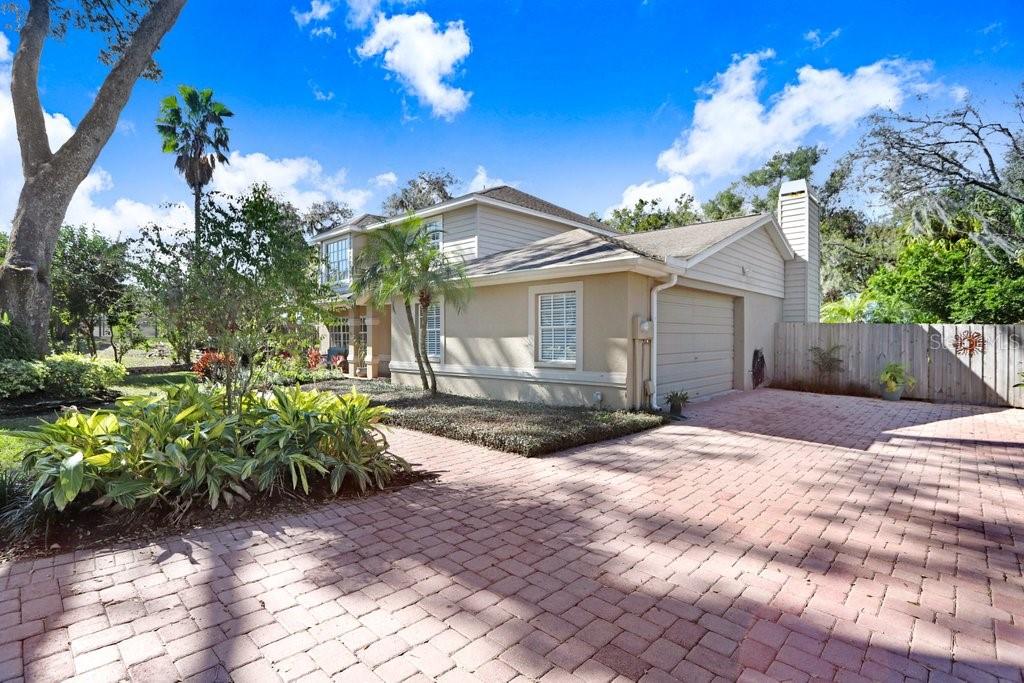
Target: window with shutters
point(434, 332)
point(557, 327)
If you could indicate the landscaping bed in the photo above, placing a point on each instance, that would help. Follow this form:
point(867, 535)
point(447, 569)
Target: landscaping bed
point(529, 429)
point(84, 529)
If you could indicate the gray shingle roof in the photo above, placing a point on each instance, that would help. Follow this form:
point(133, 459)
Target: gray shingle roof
point(573, 247)
point(510, 195)
point(580, 246)
point(688, 240)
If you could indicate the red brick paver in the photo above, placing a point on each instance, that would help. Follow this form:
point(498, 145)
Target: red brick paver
point(771, 536)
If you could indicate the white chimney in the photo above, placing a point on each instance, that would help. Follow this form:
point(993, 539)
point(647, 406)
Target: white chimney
point(799, 217)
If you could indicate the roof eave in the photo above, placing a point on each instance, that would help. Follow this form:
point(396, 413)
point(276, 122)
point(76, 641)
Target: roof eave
point(637, 264)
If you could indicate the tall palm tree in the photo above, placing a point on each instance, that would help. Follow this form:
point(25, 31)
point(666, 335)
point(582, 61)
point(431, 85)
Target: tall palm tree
point(196, 135)
point(385, 269)
point(442, 280)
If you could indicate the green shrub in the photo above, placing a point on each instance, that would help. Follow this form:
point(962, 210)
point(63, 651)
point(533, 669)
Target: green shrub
point(65, 375)
point(14, 341)
point(182, 448)
point(20, 377)
point(69, 375)
point(19, 514)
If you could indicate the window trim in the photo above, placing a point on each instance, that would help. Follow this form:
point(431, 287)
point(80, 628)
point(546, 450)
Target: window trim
point(439, 220)
point(534, 293)
point(435, 358)
point(327, 276)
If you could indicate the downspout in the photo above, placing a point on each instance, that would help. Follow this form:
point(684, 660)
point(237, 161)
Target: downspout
point(673, 279)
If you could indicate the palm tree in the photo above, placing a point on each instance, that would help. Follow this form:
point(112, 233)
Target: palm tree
point(853, 308)
point(186, 132)
point(385, 269)
point(440, 279)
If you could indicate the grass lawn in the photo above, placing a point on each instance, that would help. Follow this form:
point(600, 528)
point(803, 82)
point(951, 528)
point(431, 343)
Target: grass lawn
point(525, 428)
point(134, 385)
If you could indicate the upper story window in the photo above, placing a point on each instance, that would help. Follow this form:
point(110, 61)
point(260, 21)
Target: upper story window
point(435, 228)
point(338, 260)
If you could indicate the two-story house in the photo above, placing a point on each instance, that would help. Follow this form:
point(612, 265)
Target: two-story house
point(565, 311)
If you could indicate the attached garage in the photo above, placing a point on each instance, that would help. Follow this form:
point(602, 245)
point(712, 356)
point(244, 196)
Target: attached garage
point(696, 342)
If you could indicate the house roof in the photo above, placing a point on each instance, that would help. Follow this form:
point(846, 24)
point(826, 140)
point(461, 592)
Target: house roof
point(511, 195)
point(501, 194)
point(582, 247)
point(686, 241)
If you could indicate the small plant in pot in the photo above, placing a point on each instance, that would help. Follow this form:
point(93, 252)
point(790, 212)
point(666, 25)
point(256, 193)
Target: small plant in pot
point(894, 379)
point(676, 401)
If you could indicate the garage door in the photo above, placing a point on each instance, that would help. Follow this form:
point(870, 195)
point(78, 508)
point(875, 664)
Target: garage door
point(695, 342)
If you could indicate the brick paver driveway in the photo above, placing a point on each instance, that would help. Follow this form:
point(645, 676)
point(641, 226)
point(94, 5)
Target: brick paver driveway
point(774, 535)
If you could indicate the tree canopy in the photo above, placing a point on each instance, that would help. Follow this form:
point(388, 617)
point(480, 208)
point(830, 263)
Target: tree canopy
point(426, 189)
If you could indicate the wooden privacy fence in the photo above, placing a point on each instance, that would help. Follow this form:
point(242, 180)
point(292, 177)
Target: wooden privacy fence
point(975, 364)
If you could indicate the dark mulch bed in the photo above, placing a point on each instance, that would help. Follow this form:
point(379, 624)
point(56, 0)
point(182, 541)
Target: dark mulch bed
point(88, 529)
point(38, 404)
point(529, 429)
point(157, 369)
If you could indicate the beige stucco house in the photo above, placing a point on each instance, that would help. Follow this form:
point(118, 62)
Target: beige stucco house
point(565, 311)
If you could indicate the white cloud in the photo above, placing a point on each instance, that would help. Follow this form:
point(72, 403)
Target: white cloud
point(817, 42)
point(321, 95)
point(422, 56)
point(666, 191)
point(5, 49)
point(361, 11)
point(482, 181)
point(318, 10)
point(323, 32)
point(733, 129)
point(386, 179)
point(959, 93)
point(124, 217)
point(299, 180)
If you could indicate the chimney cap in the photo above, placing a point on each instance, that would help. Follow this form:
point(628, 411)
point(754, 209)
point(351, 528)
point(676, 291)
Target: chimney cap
point(796, 187)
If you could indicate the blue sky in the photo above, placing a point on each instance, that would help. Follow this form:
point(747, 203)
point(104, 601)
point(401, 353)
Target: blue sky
point(576, 101)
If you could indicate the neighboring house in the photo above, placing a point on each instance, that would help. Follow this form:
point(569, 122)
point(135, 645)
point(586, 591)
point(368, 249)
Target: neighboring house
point(565, 311)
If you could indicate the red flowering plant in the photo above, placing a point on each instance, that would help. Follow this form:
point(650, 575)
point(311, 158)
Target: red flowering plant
point(213, 366)
point(314, 358)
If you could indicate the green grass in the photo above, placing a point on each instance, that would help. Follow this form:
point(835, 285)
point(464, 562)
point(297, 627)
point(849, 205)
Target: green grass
point(528, 429)
point(134, 385)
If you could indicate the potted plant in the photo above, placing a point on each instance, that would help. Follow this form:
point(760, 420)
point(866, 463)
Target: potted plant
point(676, 400)
point(359, 357)
point(894, 379)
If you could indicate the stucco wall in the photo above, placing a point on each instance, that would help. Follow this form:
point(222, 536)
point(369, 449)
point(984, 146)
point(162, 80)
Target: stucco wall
point(491, 337)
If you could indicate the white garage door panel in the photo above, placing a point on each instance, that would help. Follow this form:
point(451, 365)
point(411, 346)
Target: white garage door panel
point(695, 342)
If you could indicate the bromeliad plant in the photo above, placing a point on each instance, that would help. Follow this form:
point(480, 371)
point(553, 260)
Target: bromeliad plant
point(185, 447)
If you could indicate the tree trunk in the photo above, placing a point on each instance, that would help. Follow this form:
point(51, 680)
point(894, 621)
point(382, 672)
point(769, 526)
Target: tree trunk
point(423, 350)
point(197, 199)
point(414, 333)
point(25, 291)
point(50, 179)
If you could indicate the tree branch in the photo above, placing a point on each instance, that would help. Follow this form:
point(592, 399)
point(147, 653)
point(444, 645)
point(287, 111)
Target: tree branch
point(28, 111)
point(80, 152)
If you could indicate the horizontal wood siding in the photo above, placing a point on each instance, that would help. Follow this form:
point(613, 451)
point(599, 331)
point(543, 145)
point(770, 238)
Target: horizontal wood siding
point(696, 336)
point(500, 230)
point(943, 374)
point(460, 233)
point(753, 264)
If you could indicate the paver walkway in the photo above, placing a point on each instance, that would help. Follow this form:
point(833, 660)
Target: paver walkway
point(774, 535)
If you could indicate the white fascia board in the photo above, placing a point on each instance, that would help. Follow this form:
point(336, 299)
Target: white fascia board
point(486, 201)
point(336, 232)
point(774, 231)
point(637, 264)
